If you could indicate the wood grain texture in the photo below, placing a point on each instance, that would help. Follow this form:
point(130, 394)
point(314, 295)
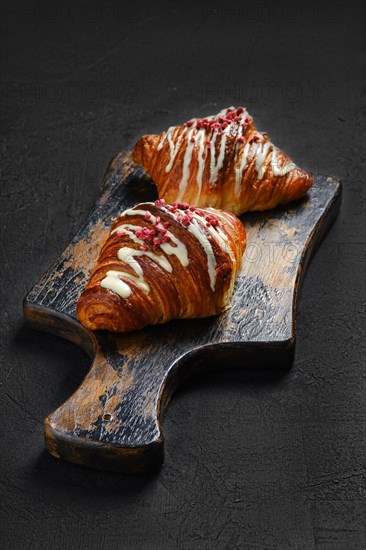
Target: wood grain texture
point(113, 421)
point(254, 458)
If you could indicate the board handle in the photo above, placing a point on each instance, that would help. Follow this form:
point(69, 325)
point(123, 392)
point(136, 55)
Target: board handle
point(113, 420)
point(107, 432)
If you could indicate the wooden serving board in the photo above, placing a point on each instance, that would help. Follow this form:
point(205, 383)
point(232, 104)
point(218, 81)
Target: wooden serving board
point(113, 420)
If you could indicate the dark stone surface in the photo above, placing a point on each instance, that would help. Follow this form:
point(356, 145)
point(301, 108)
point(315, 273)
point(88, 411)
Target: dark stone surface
point(253, 459)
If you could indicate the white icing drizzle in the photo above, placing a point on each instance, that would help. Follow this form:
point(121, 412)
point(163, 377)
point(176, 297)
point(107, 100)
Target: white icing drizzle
point(220, 236)
point(113, 282)
point(260, 158)
point(223, 112)
point(280, 171)
point(126, 228)
point(201, 161)
point(213, 152)
point(161, 142)
point(179, 250)
point(132, 212)
point(174, 147)
point(238, 135)
point(114, 279)
point(186, 164)
point(261, 155)
point(216, 166)
point(196, 230)
point(239, 171)
point(127, 255)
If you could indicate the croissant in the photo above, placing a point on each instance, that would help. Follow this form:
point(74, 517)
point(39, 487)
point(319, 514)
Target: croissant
point(162, 262)
point(221, 161)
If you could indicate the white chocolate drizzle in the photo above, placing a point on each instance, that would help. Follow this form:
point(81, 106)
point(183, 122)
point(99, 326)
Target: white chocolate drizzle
point(197, 136)
point(179, 250)
point(261, 157)
point(161, 142)
point(174, 148)
point(128, 255)
point(280, 171)
point(114, 283)
point(201, 161)
point(213, 153)
point(113, 280)
point(217, 165)
point(186, 164)
point(242, 166)
point(220, 236)
point(196, 230)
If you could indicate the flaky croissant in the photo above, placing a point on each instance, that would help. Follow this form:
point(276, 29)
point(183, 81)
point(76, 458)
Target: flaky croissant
point(162, 262)
point(221, 161)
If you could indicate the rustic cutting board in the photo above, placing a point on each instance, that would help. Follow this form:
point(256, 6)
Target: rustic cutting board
point(113, 420)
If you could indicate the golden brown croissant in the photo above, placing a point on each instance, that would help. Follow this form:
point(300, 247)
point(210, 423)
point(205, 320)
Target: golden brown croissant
point(221, 161)
point(161, 262)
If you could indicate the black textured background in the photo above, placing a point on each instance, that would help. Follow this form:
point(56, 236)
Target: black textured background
point(254, 460)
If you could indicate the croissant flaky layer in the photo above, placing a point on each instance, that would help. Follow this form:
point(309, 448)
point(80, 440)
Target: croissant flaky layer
point(221, 161)
point(162, 262)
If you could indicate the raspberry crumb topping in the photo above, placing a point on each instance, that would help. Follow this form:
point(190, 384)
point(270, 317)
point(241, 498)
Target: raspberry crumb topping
point(157, 233)
point(160, 202)
point(221, 123)
point(211, 220)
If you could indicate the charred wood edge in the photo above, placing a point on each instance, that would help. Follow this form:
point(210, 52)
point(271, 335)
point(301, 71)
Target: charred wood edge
point(312, 244)
point(146, 458)
point(211, 357)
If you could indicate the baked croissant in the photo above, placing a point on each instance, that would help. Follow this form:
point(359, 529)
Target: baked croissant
point(221, 161)
point(161, 262)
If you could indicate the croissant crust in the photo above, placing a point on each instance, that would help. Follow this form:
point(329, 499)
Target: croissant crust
point(221, 161)
point(162, 262)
